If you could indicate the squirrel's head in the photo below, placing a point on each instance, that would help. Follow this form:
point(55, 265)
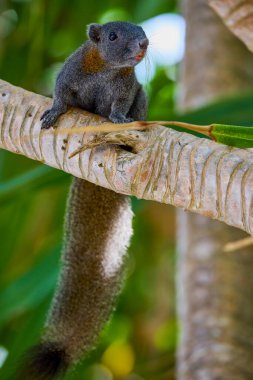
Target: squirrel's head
point(121, 44)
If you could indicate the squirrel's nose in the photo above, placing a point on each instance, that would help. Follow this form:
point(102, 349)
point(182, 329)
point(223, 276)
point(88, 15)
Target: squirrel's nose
point(144, 43)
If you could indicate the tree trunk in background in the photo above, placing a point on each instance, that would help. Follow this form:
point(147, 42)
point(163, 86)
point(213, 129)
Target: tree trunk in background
point(215, 289)
point(238, 17)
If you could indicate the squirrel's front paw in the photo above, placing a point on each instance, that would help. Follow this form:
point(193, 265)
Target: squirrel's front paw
point(120, 119)
point(48, 118)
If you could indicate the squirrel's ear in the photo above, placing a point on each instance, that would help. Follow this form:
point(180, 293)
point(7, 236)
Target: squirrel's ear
point(93, 32)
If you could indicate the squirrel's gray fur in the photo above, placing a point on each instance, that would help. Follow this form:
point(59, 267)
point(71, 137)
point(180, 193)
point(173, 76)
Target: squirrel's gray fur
point(98, 77)
point(107, 88)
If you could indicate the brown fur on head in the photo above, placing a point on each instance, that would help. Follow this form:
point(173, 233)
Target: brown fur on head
point(120, 44)
point(93, 62)
point(126, 71)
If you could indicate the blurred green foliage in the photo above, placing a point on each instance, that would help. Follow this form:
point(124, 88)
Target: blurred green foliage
point(35, 38)
point(139, 343)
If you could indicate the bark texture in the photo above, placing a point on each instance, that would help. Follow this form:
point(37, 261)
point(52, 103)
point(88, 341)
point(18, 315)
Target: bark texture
point(237, 15)
point(216, 63)
point(214, 288)
point(176, 168)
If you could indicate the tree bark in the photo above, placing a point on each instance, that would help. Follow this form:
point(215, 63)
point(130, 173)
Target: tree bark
point(214, 289)
point(165, 165)
point(237, 15)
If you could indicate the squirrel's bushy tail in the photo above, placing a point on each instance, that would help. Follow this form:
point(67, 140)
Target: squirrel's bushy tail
point(46, 361)
point(98, 231)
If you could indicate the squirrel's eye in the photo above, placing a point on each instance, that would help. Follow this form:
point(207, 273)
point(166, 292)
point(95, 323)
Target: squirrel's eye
point(112, 36)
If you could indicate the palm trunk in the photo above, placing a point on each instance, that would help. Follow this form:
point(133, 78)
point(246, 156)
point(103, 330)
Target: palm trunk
point(238, 17)
point(167, 166)
point(214, 288)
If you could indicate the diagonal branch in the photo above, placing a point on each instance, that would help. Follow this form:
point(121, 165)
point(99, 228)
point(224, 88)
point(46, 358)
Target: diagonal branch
point(164, 165)
point(237, 15)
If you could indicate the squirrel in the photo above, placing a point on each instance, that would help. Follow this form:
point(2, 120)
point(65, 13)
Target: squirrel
point(98, 77)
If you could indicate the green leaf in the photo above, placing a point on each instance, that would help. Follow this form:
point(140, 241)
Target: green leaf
point(31, 289)
point(233, 135)
point(34, 179)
